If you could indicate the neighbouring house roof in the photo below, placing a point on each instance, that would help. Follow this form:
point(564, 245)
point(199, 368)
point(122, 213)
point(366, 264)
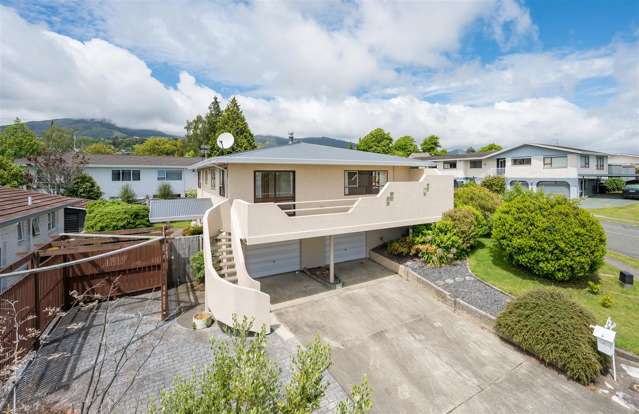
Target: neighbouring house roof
point(116, 160)
point(15, 204)
point(484, 155)
point(469, 156)
point(303, 153)
point(178, 209)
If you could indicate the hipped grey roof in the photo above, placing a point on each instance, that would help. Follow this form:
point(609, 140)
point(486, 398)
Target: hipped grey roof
point(178, 209)
point(312, 154)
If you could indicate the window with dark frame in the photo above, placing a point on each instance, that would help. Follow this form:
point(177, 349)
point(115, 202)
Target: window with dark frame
point(450, 165)
point(584, 161)
point(475, 163)
point(521, 161)
point(125, 175)
point(35, 226)
point(556, 162)
point(20, 231)
point(169, 175)
point(600, 162)
point(364, 182)
point(51, 221)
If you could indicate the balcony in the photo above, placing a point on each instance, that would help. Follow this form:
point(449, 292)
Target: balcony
point(397, 204)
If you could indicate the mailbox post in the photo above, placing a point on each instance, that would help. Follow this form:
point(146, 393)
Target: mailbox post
point(606, 342)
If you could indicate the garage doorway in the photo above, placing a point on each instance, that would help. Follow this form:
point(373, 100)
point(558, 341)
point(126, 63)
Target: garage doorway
point(554, 188)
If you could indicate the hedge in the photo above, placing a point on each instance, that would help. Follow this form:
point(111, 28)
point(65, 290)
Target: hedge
point(115, 215)
point(495, 183)
point(550, 236)
point(557, 330)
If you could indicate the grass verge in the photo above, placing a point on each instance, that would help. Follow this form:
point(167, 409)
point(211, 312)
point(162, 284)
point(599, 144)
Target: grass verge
point(488, 263)
point(175, 224)
point(630, 261)
point(625, 214)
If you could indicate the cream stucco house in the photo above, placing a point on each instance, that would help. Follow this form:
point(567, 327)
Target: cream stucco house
point(300, 205)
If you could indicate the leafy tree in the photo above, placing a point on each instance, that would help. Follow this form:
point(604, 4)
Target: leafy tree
point(160, 146)
point(99, 148)
point(165, 192)
point(57, 139)
point(404, 146)
point(19, 141)
point(491, 147)
point(83, 186)
point(470, 150)
point(431, 145)
point(377, 140)
point(113, 215)
point(11, 175)
point(232, 120)
point(127, 194)
point(202, 129)
point(614, 185)
point(54, 171)
point(241, 378)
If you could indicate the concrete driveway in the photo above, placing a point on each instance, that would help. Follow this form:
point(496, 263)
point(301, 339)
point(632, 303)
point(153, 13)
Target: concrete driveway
point(606, 201)
point(420, 356)
point(622, 238)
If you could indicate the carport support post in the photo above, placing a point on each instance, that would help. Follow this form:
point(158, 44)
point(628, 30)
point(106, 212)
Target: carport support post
point(331, 258)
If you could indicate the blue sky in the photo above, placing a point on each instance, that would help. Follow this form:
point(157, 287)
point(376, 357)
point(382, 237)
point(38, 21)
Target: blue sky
point(475, 71)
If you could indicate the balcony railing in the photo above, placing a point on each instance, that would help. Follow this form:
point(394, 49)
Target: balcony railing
point(397, 204)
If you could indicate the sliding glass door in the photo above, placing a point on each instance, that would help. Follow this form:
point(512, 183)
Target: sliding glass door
point(275, 187)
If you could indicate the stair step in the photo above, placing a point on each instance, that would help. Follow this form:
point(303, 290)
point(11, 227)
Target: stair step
point(226, 272)
point(223, 256)
point(232, 279)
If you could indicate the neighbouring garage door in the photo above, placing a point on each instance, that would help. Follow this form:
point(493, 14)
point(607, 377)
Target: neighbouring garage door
point(347, 247)
point(554, 187)
point(273, 258)
point(523, 184)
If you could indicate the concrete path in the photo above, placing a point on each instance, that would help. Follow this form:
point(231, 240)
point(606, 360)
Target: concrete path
point(622, 238)
point(420, 356)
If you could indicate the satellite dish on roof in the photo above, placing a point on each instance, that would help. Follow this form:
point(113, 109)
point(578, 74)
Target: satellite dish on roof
point(225, 140)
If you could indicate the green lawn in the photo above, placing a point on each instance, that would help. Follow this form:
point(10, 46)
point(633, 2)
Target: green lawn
point(175, 224)
point(488, 263)
point(626, 214)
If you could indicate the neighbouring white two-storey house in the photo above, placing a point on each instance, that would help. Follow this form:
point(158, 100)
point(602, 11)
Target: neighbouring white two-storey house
point(573, 172)
point(297, 206)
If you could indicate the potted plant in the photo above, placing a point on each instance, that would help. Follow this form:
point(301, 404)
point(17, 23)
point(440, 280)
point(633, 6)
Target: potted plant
point(202, 320)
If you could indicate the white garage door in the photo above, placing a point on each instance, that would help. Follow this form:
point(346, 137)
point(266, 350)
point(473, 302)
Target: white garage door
point(347, 247)
point(554, 187)
point(273, 258)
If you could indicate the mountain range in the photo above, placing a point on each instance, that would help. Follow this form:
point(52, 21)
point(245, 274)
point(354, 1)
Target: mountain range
point(102, 129)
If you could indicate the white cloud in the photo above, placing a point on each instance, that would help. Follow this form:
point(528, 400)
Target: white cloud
point(307, 48)
point(46, 75)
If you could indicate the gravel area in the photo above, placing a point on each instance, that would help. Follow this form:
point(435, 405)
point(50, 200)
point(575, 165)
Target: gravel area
point(457, 280)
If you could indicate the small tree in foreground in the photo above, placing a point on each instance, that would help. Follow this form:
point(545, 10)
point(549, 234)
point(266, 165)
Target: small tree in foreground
point(243, 379)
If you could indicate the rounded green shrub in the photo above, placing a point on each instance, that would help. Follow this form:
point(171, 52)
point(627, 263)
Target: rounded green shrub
point(614, 185)
point(495, 183)
point(606, 301)
point(480, 198)
point(105, 215)
point(557, 330)
point(464, 220)
point(83, 186)
point(550, 236)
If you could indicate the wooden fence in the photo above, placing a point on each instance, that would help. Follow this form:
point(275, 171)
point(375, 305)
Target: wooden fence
point(181, 249)
point(137, 269)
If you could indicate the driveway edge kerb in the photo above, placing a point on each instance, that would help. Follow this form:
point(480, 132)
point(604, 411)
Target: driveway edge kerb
point(443, 296)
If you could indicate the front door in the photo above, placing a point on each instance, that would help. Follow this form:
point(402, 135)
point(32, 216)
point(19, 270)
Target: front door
point(501, 166)
point(275, 187)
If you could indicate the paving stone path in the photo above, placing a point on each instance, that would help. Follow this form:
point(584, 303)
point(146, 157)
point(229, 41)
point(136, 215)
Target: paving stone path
point(160, 351)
